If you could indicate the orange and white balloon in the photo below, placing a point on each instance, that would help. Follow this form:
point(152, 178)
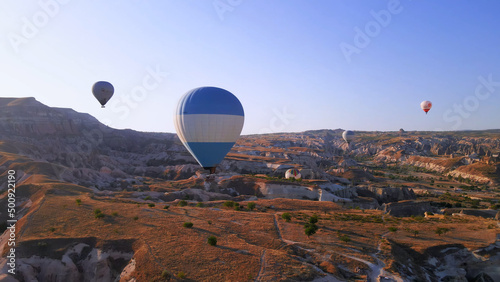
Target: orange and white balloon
point(426, 106)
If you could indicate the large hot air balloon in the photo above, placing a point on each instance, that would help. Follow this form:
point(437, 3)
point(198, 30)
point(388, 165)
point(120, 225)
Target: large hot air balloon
point(103, 91)
point(348, 135)
point(293, 173)
point(208, 122)
point(426, 106)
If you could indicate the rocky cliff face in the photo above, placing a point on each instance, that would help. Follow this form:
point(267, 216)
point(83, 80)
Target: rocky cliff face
point(81, 150)
point(386, 194)
point(80, 262)
point(451, 262)
point(407, 208)
point(29, 118)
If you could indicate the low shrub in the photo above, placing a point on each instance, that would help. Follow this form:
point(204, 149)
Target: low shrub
point(212, 241)
point(181, 275)
point(286, 216)
point(165, 274)
point(313, 219)
point(344, 238)
point(251, 206)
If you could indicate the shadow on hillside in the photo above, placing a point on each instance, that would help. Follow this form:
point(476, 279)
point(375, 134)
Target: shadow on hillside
point(205, 231)
point(243, 252)
point(56, 248)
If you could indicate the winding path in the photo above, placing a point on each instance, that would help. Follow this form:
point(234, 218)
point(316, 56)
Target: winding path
point(277, 227)
point(262, 266)
point(377, 272)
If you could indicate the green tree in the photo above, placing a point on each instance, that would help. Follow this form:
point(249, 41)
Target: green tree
point(212, 241)
point(393, 229)
point(286, 216)
point(441, 230)
point(313, 219)
point(251, 206)
point(98, 214)
point(229, 204)
point(310, 229)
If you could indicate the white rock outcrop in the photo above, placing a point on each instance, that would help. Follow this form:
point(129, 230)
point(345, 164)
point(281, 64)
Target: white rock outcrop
point(96, 266)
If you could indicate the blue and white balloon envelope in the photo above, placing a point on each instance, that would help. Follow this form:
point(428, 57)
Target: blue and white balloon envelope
point(208, 121)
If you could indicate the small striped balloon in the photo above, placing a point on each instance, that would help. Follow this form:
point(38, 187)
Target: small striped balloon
point(293, 172)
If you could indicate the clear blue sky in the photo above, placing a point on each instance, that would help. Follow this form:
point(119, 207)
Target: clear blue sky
point(285, 60)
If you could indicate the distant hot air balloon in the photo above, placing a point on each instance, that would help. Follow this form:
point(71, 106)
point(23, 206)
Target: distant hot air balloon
point(103, 91)
point(293, 173)
point(208, 122)
point(348, 135)
point(426, 106)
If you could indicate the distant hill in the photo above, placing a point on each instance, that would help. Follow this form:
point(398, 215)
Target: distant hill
point(85, 147)
point(95, 203)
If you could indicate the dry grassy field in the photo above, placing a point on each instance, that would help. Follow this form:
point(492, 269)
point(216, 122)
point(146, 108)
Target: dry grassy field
point(251, 245)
